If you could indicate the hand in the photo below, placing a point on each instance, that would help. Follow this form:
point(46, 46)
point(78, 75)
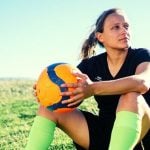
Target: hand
point(82, 90)
point(35, 92)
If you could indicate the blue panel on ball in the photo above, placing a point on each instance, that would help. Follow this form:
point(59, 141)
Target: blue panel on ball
point(55, 79)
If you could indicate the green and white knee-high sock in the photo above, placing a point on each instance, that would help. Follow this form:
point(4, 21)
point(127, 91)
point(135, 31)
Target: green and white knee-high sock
point(126, 131)
point(41, 134)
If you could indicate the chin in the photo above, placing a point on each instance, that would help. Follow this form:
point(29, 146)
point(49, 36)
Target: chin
point(125, 46)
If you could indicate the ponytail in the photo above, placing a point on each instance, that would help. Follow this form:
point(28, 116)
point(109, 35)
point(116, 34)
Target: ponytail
point(88, 48)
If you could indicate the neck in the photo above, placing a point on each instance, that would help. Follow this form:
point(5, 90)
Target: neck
point(115, 60)
point(116, 57)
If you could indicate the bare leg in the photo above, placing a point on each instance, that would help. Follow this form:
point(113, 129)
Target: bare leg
point(134, 102)
point(73, 123)
point(130, 122)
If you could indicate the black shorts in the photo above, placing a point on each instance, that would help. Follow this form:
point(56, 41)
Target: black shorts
point(100, 132)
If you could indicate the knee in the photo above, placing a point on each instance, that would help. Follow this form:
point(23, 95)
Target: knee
point(43, 111)
point(129, 98)
point(131, 102)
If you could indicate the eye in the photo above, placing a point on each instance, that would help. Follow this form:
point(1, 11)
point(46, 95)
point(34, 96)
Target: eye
point(126, 26)
point(115, 27)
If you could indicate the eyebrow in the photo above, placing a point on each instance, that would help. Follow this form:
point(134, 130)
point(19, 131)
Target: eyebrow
point(124, 23)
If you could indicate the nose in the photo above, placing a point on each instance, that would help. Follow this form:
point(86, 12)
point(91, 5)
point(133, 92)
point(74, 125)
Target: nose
point(124, 31)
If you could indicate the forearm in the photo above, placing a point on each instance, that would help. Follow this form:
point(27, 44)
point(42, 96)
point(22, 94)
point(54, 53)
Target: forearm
point(120, 86)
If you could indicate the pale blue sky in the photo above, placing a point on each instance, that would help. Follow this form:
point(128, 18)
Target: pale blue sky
point(36, 33)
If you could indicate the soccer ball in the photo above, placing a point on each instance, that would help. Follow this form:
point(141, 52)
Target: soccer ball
point(48, 86)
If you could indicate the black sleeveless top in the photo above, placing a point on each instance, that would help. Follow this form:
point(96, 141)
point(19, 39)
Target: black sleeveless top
point(97, 69)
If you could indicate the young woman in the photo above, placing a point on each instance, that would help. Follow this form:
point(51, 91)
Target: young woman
point(119, 81)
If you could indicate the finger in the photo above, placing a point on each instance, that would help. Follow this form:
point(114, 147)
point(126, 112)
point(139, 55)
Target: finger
point(35, 93)
point(34, 86)
point(74, 104)
point(38, 100)
point(80, 75)
point(67, 101)
point(72, 100)
point(68, 93)
point(69, 85)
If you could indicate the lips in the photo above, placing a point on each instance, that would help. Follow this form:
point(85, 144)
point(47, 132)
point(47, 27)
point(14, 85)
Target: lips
point(124, 39)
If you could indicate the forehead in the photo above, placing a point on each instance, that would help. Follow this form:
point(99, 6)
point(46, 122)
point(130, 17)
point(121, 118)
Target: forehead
point(116, 18)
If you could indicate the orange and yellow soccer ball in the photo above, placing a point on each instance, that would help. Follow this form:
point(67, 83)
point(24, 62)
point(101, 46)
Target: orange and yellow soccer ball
point(48, 86)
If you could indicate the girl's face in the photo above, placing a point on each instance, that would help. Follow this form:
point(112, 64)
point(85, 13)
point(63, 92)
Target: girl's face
point(115, 32)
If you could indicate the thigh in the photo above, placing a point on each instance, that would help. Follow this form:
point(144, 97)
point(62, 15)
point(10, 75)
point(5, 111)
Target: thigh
point(146, 141)
point(99, 131)
point(138, 104)
point(145, 126)
point(145, 119)
point(145, 134)
point(75, 125)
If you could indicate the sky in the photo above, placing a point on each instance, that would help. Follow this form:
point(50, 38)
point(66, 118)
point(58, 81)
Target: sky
point(37, 33)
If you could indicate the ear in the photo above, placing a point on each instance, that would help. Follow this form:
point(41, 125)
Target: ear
point(99, 36)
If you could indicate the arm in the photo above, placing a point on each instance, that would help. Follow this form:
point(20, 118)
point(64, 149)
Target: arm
point(140, 82)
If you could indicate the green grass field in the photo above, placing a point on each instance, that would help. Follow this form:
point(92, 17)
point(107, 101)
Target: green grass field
point(17, 110)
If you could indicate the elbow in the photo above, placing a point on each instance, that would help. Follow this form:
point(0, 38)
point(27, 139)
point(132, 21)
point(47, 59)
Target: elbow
point(143, 87)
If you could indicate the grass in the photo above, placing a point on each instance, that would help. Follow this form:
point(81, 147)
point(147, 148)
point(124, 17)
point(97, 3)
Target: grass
point(17, 111)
